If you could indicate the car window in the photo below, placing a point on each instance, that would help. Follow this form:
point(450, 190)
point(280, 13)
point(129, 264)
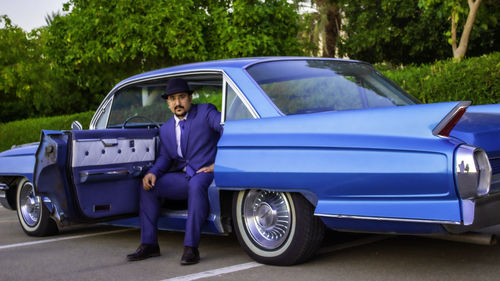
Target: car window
point(102, 116)
point(141, 104)
point(208, 94)
point(236, 110)
point(307, 86)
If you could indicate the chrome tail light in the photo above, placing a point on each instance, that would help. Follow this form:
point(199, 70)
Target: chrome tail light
point(472, 172)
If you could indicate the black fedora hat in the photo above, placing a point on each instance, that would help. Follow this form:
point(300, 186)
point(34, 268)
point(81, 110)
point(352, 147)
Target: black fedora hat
point(176, 85)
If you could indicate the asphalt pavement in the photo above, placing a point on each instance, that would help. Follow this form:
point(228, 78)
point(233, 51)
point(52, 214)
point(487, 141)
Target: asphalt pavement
point(97, 252)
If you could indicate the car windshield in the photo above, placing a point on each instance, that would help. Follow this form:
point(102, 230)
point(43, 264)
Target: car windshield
point(307, 86)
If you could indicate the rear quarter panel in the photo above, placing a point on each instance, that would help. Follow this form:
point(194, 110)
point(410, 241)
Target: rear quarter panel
point(377, 163)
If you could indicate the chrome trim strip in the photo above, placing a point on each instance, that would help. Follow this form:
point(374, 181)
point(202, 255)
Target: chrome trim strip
point(386, 219)
point(449, 116)
point(88, 176)
point(110, 142)
point(224, 102)
point(240, 95)
point(4, 187)
point(100, 111)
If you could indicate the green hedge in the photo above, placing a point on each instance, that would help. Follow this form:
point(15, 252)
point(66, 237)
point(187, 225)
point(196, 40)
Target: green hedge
point(26, 131)
point(474, 79)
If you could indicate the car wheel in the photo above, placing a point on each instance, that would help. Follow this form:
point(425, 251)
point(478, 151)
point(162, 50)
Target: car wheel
point(32, 214)
point(276, 228)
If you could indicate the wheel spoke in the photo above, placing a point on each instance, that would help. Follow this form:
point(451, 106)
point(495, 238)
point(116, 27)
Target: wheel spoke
point(267, 217)
point(29, 204)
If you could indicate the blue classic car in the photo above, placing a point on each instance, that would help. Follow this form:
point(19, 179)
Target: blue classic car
point(308, 144)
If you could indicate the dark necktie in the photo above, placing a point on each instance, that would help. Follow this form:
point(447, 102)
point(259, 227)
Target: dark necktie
point(189, 171)
point(181, 124)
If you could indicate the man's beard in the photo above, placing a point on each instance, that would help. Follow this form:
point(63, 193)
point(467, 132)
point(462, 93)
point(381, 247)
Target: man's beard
point(182, 114)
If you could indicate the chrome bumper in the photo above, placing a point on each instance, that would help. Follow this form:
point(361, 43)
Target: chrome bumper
point(478, 213)
point(3, 196)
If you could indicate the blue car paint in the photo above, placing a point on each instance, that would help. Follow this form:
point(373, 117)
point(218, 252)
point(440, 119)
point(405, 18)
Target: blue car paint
point(257, 98)
point(77, 201)
point(51, 175)
point(18, 161)
point(72, 200)
point(356, 163)
point(387, 135)
point(176, 220)
point(480, 125)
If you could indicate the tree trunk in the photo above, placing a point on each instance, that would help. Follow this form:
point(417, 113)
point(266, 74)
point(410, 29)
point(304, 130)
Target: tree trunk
point(332, 30)
point(459, 52)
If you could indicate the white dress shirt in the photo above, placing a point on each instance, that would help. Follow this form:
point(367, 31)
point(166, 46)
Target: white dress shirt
point(178, 133)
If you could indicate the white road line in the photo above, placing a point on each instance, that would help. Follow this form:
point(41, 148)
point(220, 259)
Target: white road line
point(243, 266)
point(60, 239)
point(215, 272)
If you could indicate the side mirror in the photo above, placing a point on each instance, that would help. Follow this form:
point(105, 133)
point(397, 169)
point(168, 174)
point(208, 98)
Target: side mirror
point(76, 126)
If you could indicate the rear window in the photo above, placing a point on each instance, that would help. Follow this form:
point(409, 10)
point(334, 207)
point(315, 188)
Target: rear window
point(307, 86)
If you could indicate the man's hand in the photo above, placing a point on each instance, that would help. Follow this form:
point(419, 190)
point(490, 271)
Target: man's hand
point(148, 181)
point(207, 169)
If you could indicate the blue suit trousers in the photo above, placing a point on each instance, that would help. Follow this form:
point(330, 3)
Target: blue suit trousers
point(176, 186)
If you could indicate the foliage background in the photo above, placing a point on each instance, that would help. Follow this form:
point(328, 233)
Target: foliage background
point(27, 131)
point(437, 82)
point(475, 79)
point(401, 32)
point(71, 64)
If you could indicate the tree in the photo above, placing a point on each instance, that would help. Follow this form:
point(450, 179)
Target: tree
point(13, 49)
point(456, 9)
point(99, 43)
point(394, 31)
point(243, 28)
point(26, 83)
point(485, 37)
point(321, 28)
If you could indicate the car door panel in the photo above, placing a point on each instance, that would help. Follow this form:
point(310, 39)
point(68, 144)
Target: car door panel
point(103, 170)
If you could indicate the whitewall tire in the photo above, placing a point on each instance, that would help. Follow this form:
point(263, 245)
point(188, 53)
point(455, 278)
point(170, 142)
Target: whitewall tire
point(32, 214)
point(276, 227)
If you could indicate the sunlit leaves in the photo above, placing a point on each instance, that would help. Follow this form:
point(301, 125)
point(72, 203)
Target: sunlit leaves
point(70, 65)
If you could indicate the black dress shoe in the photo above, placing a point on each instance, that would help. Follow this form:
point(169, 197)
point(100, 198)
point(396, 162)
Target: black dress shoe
point(190, 256)
point(144, 251)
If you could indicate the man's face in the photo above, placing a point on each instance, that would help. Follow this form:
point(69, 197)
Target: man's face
point(180, 104)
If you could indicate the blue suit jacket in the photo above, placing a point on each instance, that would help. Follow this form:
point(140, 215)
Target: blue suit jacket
point(202, 131)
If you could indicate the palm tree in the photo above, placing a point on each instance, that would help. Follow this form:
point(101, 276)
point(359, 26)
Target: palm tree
point(322, 26)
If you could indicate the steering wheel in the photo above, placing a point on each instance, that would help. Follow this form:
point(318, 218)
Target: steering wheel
point(124, 125)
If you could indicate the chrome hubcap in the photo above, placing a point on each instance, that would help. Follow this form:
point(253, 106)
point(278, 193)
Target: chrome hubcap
point(29, 204)
point(267, 217)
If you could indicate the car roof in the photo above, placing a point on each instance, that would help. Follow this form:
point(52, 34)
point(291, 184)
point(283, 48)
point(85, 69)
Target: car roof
point(225, 64)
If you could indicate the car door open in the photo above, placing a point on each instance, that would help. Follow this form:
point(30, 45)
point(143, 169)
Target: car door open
point(99, 170)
